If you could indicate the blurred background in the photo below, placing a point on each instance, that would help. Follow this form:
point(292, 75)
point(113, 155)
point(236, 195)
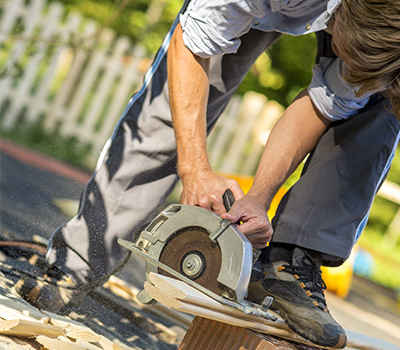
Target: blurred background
point(69, 67)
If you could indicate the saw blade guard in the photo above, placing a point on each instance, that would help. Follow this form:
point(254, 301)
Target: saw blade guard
point(235, 248)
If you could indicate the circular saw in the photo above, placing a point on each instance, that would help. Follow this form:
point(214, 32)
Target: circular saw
point(203, 250)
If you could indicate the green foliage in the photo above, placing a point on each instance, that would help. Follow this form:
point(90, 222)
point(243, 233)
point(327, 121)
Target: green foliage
point(280, 76)
point(394, 173)
point(144, 21)
point(123, 16)
point(382, 213)
point(386, 258)
point(386, 274)
point(285, 71)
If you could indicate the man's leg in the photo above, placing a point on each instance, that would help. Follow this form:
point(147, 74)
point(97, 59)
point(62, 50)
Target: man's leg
point(139, 170)
point(135, 173)
point(328, 207)
point(323, 214)
point(321, 217)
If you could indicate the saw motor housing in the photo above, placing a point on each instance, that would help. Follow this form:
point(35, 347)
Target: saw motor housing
point(195, 241)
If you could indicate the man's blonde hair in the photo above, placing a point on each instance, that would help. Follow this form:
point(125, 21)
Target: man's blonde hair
point(369, 32)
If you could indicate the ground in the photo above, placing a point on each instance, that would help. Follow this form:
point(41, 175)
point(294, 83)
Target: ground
point(32, 188)
point(120, 320)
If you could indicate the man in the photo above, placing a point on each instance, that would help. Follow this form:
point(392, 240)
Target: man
point(351, 134)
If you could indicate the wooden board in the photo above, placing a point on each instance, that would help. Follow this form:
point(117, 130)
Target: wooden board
point(179, 290)
point(29, 329)
point(14, 308)
point(243, 320)
point(206, 334)
point(182, 297)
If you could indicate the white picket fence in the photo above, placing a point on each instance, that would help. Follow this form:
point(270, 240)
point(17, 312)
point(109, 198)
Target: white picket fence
point(75, 78)
point(64, 71)
point(72, 77)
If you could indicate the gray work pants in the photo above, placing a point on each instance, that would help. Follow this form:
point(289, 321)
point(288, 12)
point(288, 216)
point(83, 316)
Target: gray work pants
point(139, 171)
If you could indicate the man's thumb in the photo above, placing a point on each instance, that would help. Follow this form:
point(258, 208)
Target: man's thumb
point(231, 216)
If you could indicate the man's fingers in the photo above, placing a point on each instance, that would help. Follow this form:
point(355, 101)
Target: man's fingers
point(235, 214)
point(231, 217)
point(217, 204)
point(257, 225)
point(237, 191)
point(255, 231)
point(206, 202)
point(260, 240)
point(206, 190)
point(254, 224)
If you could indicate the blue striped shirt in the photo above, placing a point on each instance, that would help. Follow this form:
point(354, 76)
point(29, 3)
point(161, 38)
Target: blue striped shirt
point(214, 27)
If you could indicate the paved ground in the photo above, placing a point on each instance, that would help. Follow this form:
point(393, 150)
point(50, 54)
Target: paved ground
point(28, 190)
point(31, 183)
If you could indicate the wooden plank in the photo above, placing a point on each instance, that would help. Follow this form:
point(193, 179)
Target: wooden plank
point(48, 326)
point(76, 331)
point(14, 308)
point(181, 291)
point(244, 320)
point(31, 16)
point(12, 343)
point(128, 292)
point(171, 293)
point(205, 334)
point(29, 329)
point(63, 343)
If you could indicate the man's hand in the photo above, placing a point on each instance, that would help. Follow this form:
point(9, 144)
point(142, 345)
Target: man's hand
point(294, 135)
point(254, 224)
point(205, 189)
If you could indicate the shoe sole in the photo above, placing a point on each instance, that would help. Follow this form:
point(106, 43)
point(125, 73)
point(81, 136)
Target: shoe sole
point(341, 342)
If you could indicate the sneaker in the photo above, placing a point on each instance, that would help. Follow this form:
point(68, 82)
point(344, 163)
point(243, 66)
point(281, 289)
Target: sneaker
point(54, 292)
point(298, 292)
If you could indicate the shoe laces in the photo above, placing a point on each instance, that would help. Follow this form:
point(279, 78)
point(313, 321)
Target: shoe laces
point(310, 279)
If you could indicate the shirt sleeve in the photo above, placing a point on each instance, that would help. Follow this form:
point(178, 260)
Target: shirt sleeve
point(331, 94)
point(213, 27)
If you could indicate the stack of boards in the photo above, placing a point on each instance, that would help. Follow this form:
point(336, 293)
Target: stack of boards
point(212, 323)
point(21, 320)
point(179, 296)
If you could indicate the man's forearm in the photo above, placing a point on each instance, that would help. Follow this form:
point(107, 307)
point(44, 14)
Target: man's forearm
point(188, 93)
point(293, 137)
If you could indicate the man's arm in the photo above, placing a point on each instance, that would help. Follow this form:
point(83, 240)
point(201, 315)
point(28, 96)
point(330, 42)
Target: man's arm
point(188, 92)
point(293, 137)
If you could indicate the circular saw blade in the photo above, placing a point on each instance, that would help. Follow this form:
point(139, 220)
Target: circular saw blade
point(191, 253)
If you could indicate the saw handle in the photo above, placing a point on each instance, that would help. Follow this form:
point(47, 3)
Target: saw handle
point(228, 198)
